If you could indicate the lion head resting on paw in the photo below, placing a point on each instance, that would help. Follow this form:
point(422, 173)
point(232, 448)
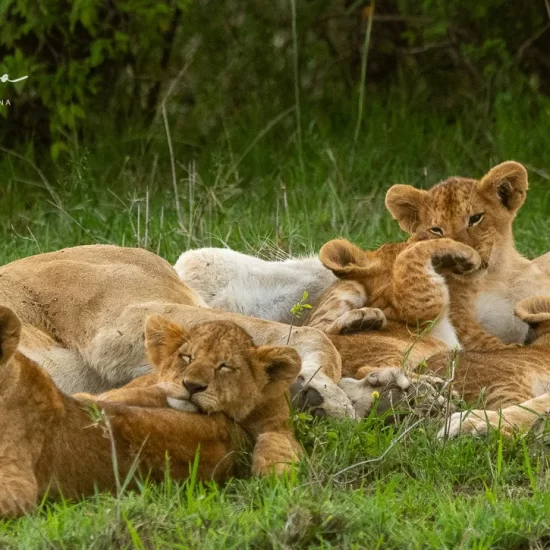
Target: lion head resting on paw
point(216, 368)
point(52, 444)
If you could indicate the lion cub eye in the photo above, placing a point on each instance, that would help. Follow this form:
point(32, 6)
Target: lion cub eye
point(436, 231)
point(224, 367)
point(475, 219)
point(186, 358)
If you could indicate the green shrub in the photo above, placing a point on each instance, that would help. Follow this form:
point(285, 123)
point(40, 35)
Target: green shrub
point(93, 63)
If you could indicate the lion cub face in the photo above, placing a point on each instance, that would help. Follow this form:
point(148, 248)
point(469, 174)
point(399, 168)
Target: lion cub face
point(478, 213)
point(217, 367)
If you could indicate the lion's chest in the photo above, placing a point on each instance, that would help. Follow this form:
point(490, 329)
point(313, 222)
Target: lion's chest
point(495, 312)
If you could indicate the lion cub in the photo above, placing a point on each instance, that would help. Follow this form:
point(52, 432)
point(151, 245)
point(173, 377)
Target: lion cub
point(516, 381)
point(215, 367)
point(52, 444)
point(479, 213)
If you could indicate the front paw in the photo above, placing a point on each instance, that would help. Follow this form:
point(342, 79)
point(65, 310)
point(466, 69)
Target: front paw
point(461, 261)
point(475, 423)
point(365, 318)
point(274, 453)
point(391, 388)
point(320, 396)
point(17, 498)
point(383, 387)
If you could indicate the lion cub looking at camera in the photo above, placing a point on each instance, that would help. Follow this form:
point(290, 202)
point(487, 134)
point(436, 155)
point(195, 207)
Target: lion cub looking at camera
point(479, 213)
point(215, 367)
point(52, 444)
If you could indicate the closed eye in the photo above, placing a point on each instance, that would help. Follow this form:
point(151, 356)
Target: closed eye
point(224, 367)
point(436, 231)
point(186, 358)
point(475, 219)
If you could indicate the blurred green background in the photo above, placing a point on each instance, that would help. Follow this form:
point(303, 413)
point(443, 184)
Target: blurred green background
point(97, 66)
point(262, 125)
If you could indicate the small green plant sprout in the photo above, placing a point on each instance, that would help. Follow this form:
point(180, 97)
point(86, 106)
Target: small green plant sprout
point(297, 311)
point(298, 308)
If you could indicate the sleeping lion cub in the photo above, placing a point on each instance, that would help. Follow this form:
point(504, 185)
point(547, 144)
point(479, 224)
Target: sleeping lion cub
point(52, 444)
point(215, 367)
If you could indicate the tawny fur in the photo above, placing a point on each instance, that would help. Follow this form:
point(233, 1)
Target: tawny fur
point(516, 381)
point(479, 213)
point(407, 282)
point(50, 445)
point(83, 311)
point(446, 211)
point(213, 368)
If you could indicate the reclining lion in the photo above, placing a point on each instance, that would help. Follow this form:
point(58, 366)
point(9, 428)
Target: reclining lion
point(53, 444)
point(83, 311)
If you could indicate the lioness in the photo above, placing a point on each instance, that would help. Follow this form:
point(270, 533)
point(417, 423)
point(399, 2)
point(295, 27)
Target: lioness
point(49, 443)
point(83, 312)
point(215, 367)
point(476, 213)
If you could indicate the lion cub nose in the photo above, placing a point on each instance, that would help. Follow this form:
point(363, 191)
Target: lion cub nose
point(194, 387)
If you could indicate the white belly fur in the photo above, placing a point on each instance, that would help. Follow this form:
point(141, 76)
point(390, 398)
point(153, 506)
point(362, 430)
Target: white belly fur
point(496, 313)
point(235, 282)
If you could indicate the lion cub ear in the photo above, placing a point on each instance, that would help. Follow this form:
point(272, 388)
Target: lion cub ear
point(10, 333)
point(343, 258)
point(405, 204)
point(162, 338)
point(282, 364)
point(506, 182)
point(534, 310)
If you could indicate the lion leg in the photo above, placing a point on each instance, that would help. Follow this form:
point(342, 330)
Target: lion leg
point(516, 418)
point(341, 310)
point(151, 397)
point(274, 452)
point(118, 354)
point(425, 276)
point(18, 489)
point(388, 387)
point(419, 285)
point(67, 367)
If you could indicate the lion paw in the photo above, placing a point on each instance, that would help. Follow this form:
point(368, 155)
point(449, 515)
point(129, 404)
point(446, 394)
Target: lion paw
point(274, 453)
point(475, 423)
point(17, 497)
point(319, 395)
point(390, 388)
point(365, 318)
point(385, 387)
point(461, 262)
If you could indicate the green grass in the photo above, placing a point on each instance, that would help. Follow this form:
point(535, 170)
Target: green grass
point(248, 190)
